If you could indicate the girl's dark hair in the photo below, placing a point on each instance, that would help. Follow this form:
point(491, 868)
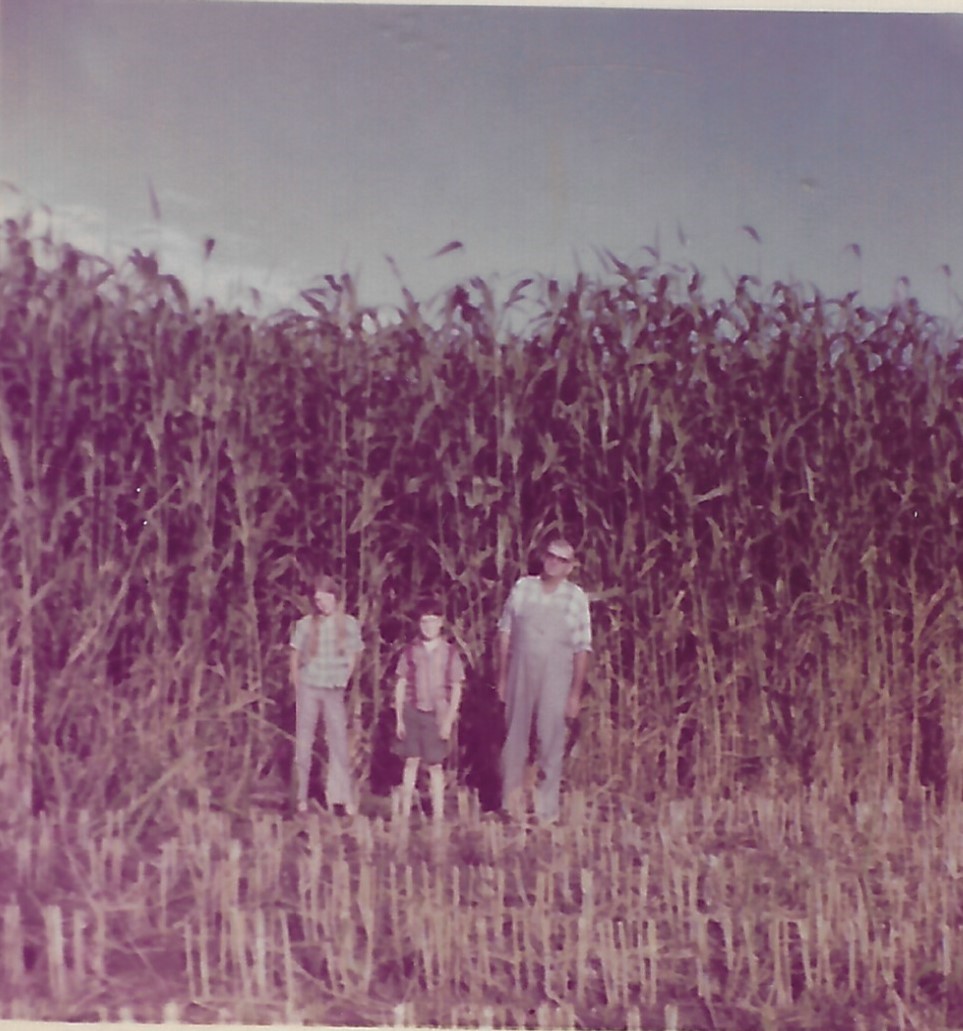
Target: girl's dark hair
point(431, 605)
point(327, 584)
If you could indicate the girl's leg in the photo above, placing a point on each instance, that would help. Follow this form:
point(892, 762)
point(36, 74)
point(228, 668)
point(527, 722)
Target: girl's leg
point(436, 778)
point(307, 707)
point(408, 780)
point(339, 786)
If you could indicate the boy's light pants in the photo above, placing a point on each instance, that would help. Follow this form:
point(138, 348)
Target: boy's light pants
point(311, 701)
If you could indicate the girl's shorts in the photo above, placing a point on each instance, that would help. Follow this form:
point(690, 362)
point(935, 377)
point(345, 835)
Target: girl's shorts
point(422, 739)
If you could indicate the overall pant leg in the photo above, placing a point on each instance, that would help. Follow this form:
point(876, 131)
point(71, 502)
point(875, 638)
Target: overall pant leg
point(519, 709)
point(307, 707)
point(551, 664)
point(551, 748)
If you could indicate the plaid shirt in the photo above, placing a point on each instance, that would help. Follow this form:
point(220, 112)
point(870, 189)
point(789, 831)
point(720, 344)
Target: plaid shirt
point(568, 599)
point(328, 667)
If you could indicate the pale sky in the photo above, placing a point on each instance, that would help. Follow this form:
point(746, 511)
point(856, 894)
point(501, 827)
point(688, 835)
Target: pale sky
point(318, 138)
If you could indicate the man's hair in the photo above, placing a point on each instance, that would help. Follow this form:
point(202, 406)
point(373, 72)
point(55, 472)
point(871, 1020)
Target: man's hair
point(557, 542)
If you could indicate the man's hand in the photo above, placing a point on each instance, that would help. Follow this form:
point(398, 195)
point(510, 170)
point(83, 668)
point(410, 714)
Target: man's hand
point(574, 702)
point(500, 686)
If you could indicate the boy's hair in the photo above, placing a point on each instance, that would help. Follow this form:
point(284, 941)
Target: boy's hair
point(430, 606)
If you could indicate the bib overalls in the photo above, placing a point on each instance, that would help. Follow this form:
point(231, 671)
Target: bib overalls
point(540, 665)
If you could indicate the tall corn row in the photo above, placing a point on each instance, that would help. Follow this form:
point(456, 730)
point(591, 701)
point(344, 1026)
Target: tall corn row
point(765, 493)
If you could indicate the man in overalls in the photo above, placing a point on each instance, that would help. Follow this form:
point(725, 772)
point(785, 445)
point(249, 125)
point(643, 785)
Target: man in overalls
point(544, 641)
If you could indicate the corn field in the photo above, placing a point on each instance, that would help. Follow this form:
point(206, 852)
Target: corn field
point(763, 806)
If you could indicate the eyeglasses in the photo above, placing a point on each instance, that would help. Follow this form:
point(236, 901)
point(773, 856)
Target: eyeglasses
point(560, 558)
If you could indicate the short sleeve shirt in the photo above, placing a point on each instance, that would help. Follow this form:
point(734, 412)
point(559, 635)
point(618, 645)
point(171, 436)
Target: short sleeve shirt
point(568, 599)
point(330, 666)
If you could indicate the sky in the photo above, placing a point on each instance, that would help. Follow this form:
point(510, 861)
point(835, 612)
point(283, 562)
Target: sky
point(314, 139)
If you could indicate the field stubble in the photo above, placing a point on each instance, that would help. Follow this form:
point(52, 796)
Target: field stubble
point(763, 909)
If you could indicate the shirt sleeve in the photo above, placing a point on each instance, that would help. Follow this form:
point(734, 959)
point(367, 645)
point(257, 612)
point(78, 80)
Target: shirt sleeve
point(297, 634)
point(354, 643)
point(399, 668)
